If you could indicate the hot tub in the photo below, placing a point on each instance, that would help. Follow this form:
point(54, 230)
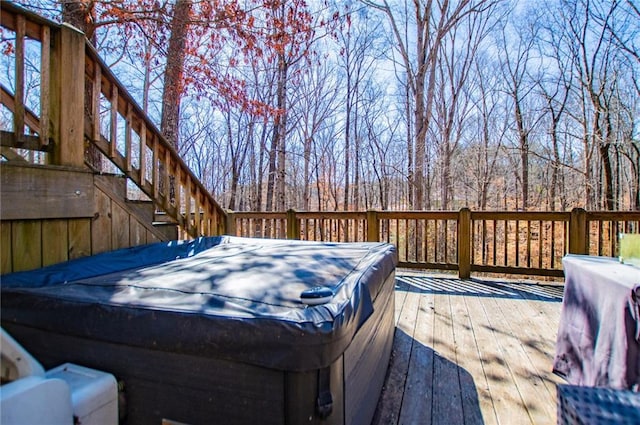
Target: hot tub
point(214, 331)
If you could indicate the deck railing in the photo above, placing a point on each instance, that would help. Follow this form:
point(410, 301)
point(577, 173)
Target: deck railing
point(519, 243)
point(80, 100)
point(77, 99)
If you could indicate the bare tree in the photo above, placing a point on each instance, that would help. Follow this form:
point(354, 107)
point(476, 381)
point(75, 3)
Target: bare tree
point(358, 42)
point(316, 104)
point(452, 103)
point(517, 49)
point(431, 23)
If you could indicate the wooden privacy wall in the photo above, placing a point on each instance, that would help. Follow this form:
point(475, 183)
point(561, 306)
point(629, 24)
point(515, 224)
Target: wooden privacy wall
point(54, 214)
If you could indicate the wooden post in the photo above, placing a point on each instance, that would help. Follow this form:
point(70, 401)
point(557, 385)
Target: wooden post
point(67, 97)
point(230, 224)
point(293, 225)
point(578, 232)
point(373, 226)
point(464, 243)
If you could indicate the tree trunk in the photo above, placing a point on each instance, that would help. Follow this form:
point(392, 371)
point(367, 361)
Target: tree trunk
point(347, 138)
point(279, 132)
point(173, 78)
point(307, 173)
point(524, 152)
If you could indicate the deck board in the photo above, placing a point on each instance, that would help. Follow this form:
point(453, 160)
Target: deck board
point(474, 351)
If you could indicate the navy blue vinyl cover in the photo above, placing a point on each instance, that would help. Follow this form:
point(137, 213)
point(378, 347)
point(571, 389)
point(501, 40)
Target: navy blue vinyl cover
point(229, 297)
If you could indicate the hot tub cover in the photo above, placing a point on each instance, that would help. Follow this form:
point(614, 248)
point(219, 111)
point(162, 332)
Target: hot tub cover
point(228, 297)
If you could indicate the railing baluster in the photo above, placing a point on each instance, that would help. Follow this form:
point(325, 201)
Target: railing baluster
point(197, 207)
point(435, 241)
point(178, 195)
point(483, 241)
point(157, 165)
point(446, 241)
point(167, 181)
point(506, 243)
point(553, 242)
point(495, 237)
point(472, 253)
point(142, 160)
point(45, 84)
point(528, 243)
point(540, 244)
point(517, 242)
point(406, 239)
point(19, 108)
point(114, 121)
point(95, 102)
point(127, 141)
point(188, 204)
point(613, 230)
point(600, 237)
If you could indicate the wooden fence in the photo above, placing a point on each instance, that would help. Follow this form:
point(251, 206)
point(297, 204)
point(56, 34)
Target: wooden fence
point(524, 243)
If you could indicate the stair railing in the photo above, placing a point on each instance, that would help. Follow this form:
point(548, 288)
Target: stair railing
point(81, 101)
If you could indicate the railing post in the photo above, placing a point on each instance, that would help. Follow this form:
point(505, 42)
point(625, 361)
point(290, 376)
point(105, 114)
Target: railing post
point(464, 243)
point(230, 224)
point(293, 225)
point(67, 97)
point(373, 226)
point(578, 232)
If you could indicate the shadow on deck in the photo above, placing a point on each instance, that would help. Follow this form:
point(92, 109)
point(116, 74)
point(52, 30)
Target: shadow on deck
point(474, 351)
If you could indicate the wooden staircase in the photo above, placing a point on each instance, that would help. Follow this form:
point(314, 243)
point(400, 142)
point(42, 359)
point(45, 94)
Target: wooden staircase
point(82, 104)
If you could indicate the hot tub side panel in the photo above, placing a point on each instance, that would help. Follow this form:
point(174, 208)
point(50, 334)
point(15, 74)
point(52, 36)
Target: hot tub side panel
point(367, 358)
point(356, 377)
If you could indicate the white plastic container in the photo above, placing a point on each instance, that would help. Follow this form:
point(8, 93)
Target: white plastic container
point(28, 397)
point(94, 394)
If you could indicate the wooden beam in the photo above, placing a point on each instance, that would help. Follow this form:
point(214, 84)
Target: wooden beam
point(37, 192)
point(32, 143)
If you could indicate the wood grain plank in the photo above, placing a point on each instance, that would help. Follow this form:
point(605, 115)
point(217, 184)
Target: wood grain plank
point(152, 238)
point(119, 227)
point(26, 245)
point(37, 192)
point(532, 355)
point(6, 265)
point(137, 232)
point(401, 296)
point(101, 224)
point(417, 403)
point(79, 238)
point(474, 388)
point(55, 241)
point(507, 402)
point(527, 384)
point(447, 400)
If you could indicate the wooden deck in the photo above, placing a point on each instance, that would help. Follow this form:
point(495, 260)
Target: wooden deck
point(472, 351)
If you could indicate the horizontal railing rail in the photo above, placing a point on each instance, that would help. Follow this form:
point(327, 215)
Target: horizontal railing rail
point(97, 109)
point(504, 242)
